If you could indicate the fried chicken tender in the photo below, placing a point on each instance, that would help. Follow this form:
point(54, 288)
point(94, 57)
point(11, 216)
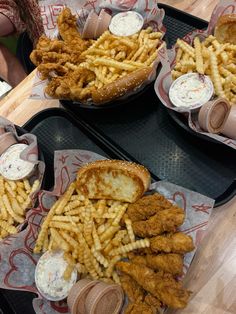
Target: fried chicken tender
point(58, 88)
point(137, 298)
point(36, 57)
point(131, 288)
point(152, 301)
point(140, 307)
point(67, 25)
point(172, 242)
point(171, 263)
point(71, 85)
point(51, 69)
point(55, 51)
point(161, 285)
point(147, 206)
point(46, 44)
point(165, 220)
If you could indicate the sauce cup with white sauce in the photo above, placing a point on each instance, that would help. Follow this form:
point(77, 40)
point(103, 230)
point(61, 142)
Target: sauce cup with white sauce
point(126, 23)
point(190, 91)
point(49, 276)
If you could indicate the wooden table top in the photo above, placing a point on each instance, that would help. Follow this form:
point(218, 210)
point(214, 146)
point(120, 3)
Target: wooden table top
point(212, 275)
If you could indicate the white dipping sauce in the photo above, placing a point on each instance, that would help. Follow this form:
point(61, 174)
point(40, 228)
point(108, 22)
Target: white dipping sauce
point(126, 23)
point(49, 276)
point(12, 167)
point(191, 90)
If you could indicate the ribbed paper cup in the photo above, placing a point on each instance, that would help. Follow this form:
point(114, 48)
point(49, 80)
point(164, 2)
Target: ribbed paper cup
point(104, 298)
point(6, 140)
point(77, 295)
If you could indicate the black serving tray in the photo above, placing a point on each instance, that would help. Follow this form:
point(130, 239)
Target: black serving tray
point(56, 129)
point(144, 131)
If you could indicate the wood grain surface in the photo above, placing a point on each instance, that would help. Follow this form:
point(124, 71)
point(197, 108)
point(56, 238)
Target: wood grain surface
point(200, 8)
point(212, 275)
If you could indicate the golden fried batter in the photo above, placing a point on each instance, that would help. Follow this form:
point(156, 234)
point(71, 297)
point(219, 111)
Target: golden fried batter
point(172, 242)
point(165, 220)
point(131, 288)
point(147, 206)
point(152, 301)
point(139, 308)
point(51, 69)
point(71, 85)
point(163, 286)
point(171, 263)
point(68, 30)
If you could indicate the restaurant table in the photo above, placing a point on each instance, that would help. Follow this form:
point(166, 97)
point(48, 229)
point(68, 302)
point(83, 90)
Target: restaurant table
point(212, 275)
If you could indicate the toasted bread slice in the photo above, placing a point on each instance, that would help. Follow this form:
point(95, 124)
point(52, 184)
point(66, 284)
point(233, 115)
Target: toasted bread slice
point(113, 179)
point(225, 30)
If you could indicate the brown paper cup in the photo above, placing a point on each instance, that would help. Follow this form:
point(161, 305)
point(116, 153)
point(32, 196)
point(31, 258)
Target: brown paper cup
point(2, 130)
point(104, 298)
point(213, 115)
point(229, 128)
point(6, 140)
point(77, 295)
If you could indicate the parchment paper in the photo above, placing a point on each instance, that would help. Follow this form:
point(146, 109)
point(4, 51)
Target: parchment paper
point(167, 59)
point(17, 262)
point(50, 9)
point(29, 154)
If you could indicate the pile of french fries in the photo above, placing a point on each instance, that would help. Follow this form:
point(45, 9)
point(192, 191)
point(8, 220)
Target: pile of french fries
point(15, 198)
point(111, 57)
point(94, 234)
point(211, 58)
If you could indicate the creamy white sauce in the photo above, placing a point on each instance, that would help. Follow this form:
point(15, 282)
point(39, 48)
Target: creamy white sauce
point(49, 276)
point(126, 23)
point(12, 167)
point(191, 90)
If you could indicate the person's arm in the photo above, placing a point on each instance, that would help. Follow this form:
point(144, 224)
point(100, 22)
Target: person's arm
point(10, 20)
point(6, 26)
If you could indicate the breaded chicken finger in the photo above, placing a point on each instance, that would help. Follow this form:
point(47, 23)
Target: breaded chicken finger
point(172, 242)
point(165, 220)
point(161, 285)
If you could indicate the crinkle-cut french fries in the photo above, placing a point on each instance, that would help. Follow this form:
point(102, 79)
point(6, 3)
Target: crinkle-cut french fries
point(15, 199)
point(211, 58)
point(90, 234)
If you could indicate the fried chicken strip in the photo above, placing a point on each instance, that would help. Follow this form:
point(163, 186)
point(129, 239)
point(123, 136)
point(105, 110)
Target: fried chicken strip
point(133, 290)
point(165, 220)
point(140, 307)
point(67, 25)
point(161, 285)
point(152, 301)
point(48, 70)
point(171, 263)
point(137, 298)
point(147, 206)
point(172, 242)
point(71, 85)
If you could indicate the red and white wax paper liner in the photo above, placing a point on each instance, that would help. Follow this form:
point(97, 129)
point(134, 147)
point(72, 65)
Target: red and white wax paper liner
point(29, 154)
point(50, 9)
point(167, 59)
point(17, 262)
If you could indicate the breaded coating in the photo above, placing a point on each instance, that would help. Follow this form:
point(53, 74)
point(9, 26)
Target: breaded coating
point(171, 263)
point(133, 290)
point(147, 206)
point(172, 242)
point(163, 286)
point(165, 220)
point(152, 301)
point(139, 308)
point(67, 25)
